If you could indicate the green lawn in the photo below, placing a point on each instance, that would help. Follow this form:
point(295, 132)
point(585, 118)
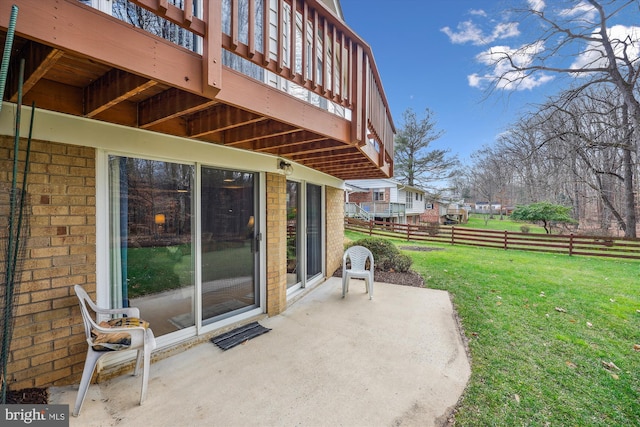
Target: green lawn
point(541, 328)
point(478, 221)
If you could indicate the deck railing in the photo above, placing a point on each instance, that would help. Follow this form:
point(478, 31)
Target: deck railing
point(300, 42)
point(375, 209)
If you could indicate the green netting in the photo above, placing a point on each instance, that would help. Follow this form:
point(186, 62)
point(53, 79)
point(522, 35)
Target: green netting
point(12, 251)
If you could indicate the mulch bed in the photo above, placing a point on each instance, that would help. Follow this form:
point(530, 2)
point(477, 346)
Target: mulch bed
point(33, 396)
point(420, 248)
point(410, 278)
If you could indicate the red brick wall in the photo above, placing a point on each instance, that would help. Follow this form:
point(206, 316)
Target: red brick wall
point(431, 215)
point(360, 197)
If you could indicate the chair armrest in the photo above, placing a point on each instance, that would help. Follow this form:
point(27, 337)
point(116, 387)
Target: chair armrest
point(119, 329)
point(137, 334)
point(128, 311)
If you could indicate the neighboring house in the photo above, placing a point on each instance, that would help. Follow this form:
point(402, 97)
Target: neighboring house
point(486, 207)
point(434, 213)
point(445, 212)
point(198, 178)
point(457, 212)
point(384, 200)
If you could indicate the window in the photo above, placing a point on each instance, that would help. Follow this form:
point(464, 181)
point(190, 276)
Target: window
point(378, 195)
point(429, 206)
point(409, 199)
point(152, 23)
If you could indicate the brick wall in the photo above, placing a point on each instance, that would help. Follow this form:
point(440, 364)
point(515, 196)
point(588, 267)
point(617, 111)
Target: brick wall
point(431, 215)
point(335, 228)
point(48, 346)
point(361, 197)
point(276, 244)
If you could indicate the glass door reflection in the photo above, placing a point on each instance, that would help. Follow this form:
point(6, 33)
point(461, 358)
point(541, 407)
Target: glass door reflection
point(229, 247)
point(294, 276)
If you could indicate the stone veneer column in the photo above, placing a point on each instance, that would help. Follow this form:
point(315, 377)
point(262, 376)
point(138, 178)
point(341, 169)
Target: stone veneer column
point(276, 244)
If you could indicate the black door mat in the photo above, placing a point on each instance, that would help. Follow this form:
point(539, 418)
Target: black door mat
point(239, 335)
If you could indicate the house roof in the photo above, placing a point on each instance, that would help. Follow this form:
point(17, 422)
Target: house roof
point(354, 189)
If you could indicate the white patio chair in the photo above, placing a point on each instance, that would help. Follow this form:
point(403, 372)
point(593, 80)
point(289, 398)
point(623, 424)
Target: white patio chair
point(358, 256)
point(100, 338)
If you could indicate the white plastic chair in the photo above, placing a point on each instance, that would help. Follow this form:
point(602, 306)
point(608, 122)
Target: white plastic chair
point(142, 340)
point(358, 256)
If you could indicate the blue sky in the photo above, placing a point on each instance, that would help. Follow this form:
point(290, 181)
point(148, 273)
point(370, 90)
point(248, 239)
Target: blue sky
point(426, 51)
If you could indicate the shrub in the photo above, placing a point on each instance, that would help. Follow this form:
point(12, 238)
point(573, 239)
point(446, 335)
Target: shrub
point(525, 229)
point(385, 254)
point(402, 263)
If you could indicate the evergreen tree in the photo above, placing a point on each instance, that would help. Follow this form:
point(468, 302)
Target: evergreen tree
point(415, 164)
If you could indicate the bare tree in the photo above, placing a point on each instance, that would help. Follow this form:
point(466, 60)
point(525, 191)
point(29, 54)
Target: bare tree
point(492, 174)
point(594, 131)
point(605, 55)
point(571, 152)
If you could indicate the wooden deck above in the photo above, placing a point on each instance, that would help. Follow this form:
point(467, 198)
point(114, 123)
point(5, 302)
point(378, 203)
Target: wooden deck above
point(84, 62)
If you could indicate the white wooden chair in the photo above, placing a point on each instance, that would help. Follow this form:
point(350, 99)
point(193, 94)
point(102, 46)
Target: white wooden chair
point(358, 256)
point(98, 338)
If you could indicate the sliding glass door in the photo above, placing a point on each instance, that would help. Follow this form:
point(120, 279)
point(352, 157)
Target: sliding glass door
point(314, 230)
point(151, 242)
point(294, 255)
point(152, 235)
point(229, 243)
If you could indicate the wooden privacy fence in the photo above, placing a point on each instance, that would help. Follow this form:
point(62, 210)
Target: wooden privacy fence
point(569, 244)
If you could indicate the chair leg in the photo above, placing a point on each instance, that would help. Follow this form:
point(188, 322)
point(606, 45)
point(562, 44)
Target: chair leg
point(145, 372)
point(87, 373)
point(344, 285)
point(149, 346)
point(370, 288)
point(136, 370)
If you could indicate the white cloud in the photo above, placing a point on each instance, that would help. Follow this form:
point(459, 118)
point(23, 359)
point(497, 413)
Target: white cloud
point(537, 5)
point(475, 80)
point(582, 10)
point(468, 32)
point(478, 12)
point(505, 30)
point(501, 72)
point(593, 55)
point(521, 57)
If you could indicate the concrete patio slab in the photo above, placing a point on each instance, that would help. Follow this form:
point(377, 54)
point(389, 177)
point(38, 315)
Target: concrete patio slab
point(395, 360)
